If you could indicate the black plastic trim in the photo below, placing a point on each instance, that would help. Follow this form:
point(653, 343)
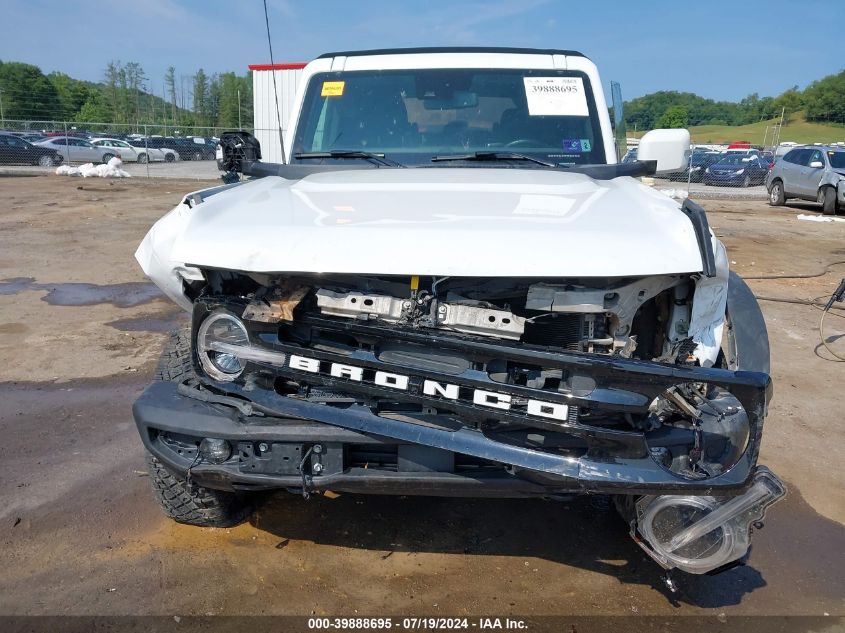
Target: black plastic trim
point(161, 408)
point(453, 49)
point(698, 217)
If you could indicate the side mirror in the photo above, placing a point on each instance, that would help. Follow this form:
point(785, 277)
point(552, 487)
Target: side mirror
point(669, 148)
point(817, 164)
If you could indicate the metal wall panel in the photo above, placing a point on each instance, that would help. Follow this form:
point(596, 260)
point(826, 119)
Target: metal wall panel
point(265, 107)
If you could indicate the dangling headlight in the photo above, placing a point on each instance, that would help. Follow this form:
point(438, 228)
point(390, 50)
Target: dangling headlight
point(218, 338)
point(698, 534)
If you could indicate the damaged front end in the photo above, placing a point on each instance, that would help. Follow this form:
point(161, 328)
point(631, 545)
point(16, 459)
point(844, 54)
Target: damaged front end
point(482, 387)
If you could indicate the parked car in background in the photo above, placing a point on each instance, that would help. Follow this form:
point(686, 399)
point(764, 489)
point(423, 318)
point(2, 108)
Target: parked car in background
point(166, 154)
point(17, 151)
point(699, 161)
point(78, 150)
point(630, 156)
point(736, 170)
point(135, 151)
point(31, 137)
point(810, 173)
point(127, 153)
point(190, 148)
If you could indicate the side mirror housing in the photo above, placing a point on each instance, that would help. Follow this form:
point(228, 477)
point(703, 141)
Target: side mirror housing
point(817, 164)
point(669, 148)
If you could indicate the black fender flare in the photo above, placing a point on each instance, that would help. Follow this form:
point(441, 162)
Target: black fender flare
point(747, 338)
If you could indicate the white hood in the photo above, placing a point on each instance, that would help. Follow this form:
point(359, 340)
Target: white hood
point(431, 221)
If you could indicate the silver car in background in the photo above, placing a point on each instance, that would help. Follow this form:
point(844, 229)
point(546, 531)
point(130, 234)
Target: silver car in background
point(810, 172)
point(79, 150)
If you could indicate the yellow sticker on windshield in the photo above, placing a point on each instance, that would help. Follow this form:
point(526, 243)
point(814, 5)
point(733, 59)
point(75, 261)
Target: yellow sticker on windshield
point(332, 89)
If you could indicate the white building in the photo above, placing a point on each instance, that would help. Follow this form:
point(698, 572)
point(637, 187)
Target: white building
point(265, 105)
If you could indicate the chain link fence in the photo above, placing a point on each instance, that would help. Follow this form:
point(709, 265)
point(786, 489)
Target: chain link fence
point(167, 151)
point(155, 151)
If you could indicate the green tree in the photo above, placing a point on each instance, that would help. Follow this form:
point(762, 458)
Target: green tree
point(170, 86)
point(27, 93)
point(673, 117)
point(824, 100)
point(201, 98)
point(72, 93)
point(789, 102)
point(96, 109)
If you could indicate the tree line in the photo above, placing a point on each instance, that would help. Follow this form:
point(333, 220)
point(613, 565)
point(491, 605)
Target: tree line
point(125, 96)
point(821, 101)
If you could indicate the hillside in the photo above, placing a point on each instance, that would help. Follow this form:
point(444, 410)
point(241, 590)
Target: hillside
point(798, 130)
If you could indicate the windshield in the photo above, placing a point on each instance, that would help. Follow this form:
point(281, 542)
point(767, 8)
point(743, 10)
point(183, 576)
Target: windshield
point(737, 159)
point(410, 116)
point(837, 159)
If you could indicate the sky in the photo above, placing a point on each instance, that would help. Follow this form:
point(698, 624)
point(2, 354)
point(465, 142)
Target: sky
point(719, 49)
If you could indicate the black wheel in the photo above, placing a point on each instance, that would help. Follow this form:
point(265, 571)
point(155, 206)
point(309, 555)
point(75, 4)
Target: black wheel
point(196, 156)
point(142, 158)
point(169, 158)
point(107, 157)
point(828, 199)
point(746, 182)
point(776, 196)
point(46, 161)
point(181, 501)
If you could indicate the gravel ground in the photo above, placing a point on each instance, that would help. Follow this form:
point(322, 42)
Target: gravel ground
point(80, 329)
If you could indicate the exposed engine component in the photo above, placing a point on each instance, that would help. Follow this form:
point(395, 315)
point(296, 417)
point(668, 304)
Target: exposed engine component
point(355, 305)
point(620, 301)
point(484, 321)
point(455, 316)
point(577, 332)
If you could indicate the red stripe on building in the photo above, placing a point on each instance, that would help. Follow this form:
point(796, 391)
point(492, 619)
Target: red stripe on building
point(289, 66)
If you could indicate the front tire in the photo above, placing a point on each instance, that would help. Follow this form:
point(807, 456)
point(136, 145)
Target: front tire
point(142, 158)
point(828, 199)
point(183, 502)
point(169, 158)
point(777, 197)
point(746, 182)
point(192, 504)
point(45, 161)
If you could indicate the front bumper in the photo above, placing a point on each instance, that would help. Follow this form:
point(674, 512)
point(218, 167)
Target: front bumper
point(731, 180)
point(271, 435)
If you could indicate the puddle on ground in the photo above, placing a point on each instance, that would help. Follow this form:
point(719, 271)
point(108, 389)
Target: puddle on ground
point(125, 295)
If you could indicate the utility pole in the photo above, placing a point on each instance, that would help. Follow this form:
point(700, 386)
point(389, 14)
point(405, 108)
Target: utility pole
point(239, 108)
point(2, 118)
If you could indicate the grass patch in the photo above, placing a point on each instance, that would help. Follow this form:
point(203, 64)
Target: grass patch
point(798, 130)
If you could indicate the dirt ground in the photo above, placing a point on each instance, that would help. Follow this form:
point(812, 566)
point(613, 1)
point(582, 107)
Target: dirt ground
point(80, 330)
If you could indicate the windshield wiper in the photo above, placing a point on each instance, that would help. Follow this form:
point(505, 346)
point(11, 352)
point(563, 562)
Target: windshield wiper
point(378, 159)
point(493, 156)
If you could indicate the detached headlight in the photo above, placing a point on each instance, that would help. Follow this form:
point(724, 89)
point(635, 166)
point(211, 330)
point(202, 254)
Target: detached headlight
point(707, 171)
point(739, 171)
point(696, 169)
point(218, 340)
point(698, 534)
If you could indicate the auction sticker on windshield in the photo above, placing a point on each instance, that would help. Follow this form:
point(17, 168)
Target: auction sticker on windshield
point(332, 89)
point(556, 96)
